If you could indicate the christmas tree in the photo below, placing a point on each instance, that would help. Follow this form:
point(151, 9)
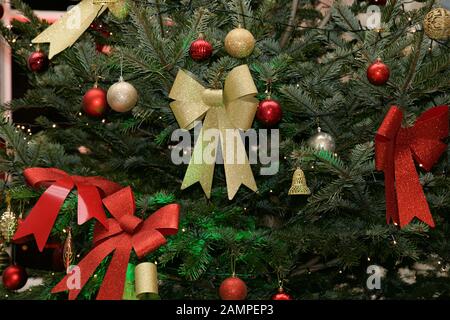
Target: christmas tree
point(121, 81)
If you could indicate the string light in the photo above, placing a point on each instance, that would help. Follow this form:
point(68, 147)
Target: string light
point(103, 120)
point(54, 125)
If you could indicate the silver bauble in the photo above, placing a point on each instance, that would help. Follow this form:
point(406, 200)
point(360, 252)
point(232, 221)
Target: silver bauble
point(322, 141)
point(122, 96)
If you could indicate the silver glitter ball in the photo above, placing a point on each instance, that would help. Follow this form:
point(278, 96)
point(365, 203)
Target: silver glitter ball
point(122, 96)
point(322, 141)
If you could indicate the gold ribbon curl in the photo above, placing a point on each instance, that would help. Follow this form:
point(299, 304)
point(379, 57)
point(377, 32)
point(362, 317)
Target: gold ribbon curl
point(232, 108)
point(64, 32)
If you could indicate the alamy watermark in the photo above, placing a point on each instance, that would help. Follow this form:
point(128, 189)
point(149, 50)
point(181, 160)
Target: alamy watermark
point(374, 280)
point(228, 146)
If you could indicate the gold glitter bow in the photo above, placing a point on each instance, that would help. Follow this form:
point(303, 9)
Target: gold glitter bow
point(64, 32)
point(225, 110)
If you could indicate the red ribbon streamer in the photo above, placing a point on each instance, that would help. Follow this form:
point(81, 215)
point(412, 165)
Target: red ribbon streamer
point(42, 217)
point(397, 148)
point(125, 233)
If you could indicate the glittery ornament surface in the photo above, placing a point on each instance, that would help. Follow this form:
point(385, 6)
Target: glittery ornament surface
point(233, 288)
point(228, 110)
point(122, 96)
point(239, 43)
point(299, 186)
point(8, 225)
point(436, 24)
point(397, 148)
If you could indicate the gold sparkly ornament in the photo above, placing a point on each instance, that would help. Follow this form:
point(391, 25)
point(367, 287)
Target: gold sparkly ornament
point(146, 281)
point(436, 24)
point(122, 96)
point(65, 31)
point(8, 222)
point(223, 111)
point(120, 9)
point(299, 186)
point(239, 43)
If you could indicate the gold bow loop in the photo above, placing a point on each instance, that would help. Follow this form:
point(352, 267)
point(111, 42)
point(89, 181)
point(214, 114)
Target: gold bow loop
point(64, 32)
point(227, 111)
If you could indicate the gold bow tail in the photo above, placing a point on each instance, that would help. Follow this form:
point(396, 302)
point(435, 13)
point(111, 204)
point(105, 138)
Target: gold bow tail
point(227, 111)
point(64, 32)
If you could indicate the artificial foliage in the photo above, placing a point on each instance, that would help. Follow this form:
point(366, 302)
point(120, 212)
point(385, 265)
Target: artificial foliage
point(319, 245)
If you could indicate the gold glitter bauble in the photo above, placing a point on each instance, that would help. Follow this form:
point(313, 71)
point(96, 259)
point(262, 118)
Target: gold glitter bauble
point(122, 96)
point(120, 9)
point(239, 43)
point(437, 24)
point(8, 225)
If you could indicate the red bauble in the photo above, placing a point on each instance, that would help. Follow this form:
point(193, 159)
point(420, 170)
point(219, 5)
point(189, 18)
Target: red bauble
point(2, 10)
point(378, 73)
point(281, 295)
point(14, 277)
point(200, 50)
point(94, 102)
point(233, 288)
point(38, 61)
point(269, 112)
point(378, 2)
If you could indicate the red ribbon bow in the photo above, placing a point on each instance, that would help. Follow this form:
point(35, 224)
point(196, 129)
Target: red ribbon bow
point(125, 232)
point(42, 217)
point(396, 148)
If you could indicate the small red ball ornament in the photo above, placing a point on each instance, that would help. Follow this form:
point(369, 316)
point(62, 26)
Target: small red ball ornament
point(378, 73)
point(281, 295)
point(38, 61)
point(2, 10)
point(269, 112)
point(94, 102)
point(378, 2)
point(200, 49)
point(233, 288)
point(14, 277)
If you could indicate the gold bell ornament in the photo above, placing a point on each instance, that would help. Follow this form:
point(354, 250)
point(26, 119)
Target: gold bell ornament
point(299, 186)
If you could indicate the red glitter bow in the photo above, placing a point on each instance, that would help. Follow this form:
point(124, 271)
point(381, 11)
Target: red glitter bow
point(42, 217)
point(396, 148)
point(125, 233)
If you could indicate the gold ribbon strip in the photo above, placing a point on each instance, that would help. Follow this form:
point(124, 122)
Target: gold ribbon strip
point(64, 32)
point(225, 110)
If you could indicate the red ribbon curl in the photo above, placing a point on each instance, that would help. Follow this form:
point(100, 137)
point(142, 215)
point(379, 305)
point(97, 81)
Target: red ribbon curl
point(41, 218)
point(397, 148)
point(125, 233)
